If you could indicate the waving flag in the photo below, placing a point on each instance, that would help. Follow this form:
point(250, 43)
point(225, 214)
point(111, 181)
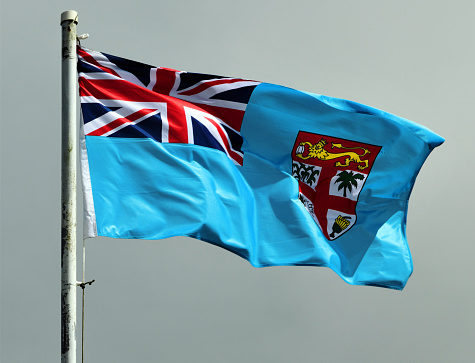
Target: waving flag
point(274, 175)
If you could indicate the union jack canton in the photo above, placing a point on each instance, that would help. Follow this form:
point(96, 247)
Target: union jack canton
point(125, 98)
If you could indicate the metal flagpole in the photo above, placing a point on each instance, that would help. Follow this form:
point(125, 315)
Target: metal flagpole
point(69, 20)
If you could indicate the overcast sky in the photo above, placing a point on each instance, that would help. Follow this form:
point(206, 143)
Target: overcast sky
point(182, 300)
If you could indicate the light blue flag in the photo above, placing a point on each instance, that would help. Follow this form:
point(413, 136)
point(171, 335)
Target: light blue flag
point(322, 181)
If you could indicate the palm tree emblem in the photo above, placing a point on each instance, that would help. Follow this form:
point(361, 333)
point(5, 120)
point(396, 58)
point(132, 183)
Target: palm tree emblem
point(348, 180)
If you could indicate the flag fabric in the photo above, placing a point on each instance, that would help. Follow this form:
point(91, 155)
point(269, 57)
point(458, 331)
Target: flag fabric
point(274, 175)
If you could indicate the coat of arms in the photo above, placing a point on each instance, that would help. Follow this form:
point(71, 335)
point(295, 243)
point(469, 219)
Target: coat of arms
point(331, 174)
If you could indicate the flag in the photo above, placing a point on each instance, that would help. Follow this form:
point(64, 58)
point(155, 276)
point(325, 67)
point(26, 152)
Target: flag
point(274, 175)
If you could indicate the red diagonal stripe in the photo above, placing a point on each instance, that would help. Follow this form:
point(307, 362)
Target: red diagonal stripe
point(203, 86)
point(120, 121)
point(224, 138)
point(119, 90)
point(90, 59)
point(232, 118)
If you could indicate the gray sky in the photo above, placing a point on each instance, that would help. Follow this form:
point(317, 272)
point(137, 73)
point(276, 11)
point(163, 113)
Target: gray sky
point(182, 300)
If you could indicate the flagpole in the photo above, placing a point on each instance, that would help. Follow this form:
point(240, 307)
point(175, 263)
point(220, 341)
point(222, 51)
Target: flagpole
point(69, 20)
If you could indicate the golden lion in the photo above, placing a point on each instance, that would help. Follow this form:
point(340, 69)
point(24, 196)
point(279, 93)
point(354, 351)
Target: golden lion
point(317, 151)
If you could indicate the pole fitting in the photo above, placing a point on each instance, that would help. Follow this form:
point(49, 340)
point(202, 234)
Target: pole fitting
point(82, 285)
point(69, 15)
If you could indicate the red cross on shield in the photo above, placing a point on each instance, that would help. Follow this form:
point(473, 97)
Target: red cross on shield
point(331, 174)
